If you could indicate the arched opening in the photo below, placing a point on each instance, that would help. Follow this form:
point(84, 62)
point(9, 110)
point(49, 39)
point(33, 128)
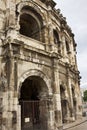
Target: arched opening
point(33, 88)
point(33, 104)
point(29, 26)
point(56, 40)
point(30, 23)
point(67, 47)
point(56, 37)
point(63, 104)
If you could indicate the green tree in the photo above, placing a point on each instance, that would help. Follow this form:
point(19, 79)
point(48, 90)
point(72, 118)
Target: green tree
point(85, 96)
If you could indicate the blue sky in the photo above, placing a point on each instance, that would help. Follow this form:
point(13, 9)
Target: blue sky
point(75, 12)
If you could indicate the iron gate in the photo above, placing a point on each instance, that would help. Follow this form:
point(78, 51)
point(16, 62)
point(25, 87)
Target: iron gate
point(33, 115)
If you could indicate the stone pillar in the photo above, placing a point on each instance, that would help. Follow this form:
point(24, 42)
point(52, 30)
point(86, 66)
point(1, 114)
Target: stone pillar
point(2, 28)
point(3, 96)
point(63, 46)
point(10, 94)
point(16, 114)
point(10, 107)
point(2, 22)
point(49, 110)
point(68, 112)
point(16, 110)
point(12, 101)
point(53, 47)
point(58, 114)
point(50, 114)
point(70, 98)
point(11, 19)
point(11, 6)
point(45, 34)
point(57, 100)
point(51, 38)
point(78, 100)
point(4, 125)
point(67, 106)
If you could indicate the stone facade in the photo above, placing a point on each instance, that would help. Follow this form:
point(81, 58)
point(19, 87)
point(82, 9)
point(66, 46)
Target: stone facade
point(37, 64)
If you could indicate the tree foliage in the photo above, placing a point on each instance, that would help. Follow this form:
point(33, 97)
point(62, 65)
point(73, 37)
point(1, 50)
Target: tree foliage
point(85, 96)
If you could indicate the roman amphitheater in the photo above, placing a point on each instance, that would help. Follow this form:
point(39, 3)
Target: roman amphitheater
point(39, 77)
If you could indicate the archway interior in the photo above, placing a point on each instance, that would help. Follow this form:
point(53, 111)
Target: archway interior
point(29, 26)
point(31, 23)
point(33, 110)
point(33, 88)
point(56, 37)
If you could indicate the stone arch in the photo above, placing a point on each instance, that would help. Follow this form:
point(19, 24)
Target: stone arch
point(67, 43)
point(56, 28)
point(31, 10)
point(56, 36)
point(31, 23)
point(30, 20)
point(57, 39)
point(32, 5)
point(38, 73)
point(33, 105)
point(67, 46)
point(38, 10)
point(29, 26)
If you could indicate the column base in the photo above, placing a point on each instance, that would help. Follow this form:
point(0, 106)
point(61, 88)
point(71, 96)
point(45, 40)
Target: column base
point(70, 119)
point(60, 127)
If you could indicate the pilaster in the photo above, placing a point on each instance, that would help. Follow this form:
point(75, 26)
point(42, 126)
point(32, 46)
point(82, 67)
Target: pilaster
point(45, 34)
point(11, 6)
point(51, 39)
point(50, 114)
point(72, 118)
point(57, 99)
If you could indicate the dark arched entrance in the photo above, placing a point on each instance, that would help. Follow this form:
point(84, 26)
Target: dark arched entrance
point(33, 104)
point(63, 103)
point(31, 23)
point(29, 27)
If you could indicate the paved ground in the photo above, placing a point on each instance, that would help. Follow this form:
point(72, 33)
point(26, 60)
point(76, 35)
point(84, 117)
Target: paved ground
point(77, 125)
point(82, 126)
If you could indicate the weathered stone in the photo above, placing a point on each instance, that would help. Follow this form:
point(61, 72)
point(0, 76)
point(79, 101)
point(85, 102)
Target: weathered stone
point(39, 78)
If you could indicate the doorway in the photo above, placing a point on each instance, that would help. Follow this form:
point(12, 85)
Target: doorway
point(33, 104)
